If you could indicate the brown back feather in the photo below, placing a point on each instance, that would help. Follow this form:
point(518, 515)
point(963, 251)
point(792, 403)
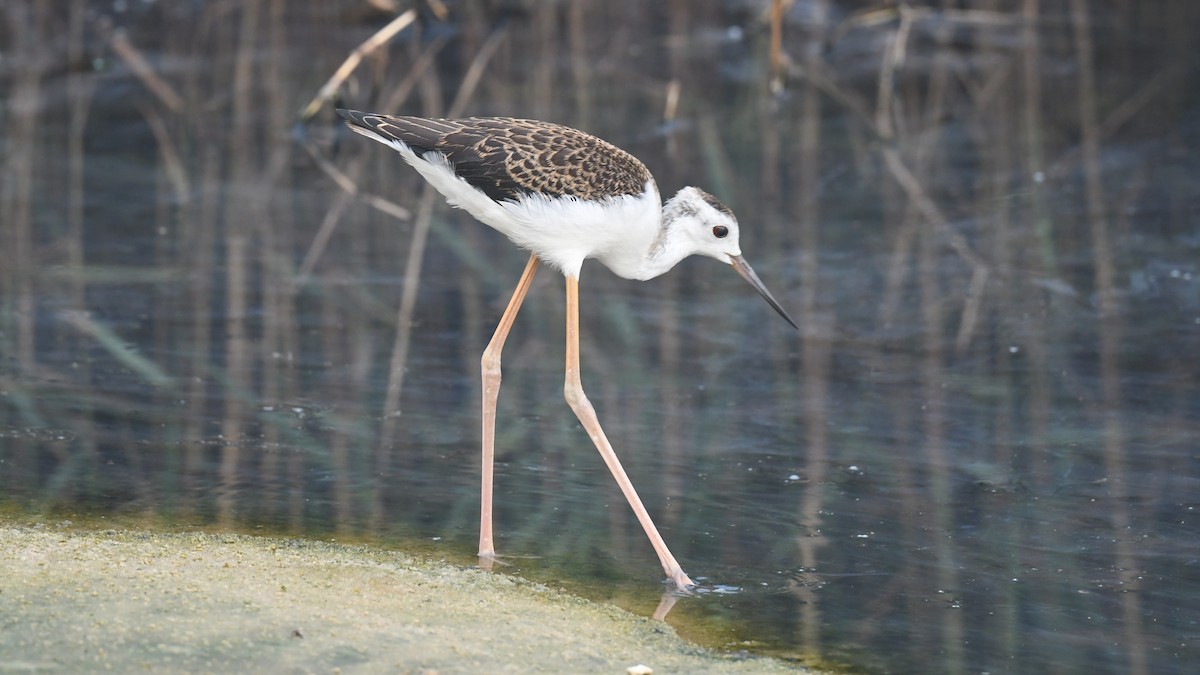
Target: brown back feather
point(506, 157)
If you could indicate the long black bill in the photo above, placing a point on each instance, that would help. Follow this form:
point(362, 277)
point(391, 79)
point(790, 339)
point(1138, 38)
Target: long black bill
point(743, 268)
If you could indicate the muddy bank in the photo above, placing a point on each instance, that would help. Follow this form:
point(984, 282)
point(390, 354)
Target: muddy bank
point(80, 600)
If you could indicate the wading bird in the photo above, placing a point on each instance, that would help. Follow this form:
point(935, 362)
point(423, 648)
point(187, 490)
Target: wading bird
point(564, 196)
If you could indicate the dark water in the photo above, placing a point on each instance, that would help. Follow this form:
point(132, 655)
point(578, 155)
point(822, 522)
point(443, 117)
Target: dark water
point(979, 455)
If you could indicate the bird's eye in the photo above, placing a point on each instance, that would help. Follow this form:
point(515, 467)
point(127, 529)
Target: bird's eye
point(720, 231)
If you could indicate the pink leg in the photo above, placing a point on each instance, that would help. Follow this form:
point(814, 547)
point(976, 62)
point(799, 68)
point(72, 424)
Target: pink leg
point(573, 391)
point(490, 365)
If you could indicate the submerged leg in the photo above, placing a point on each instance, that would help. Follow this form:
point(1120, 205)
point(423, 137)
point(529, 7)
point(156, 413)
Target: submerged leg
point(573, 390)
point(490, 365)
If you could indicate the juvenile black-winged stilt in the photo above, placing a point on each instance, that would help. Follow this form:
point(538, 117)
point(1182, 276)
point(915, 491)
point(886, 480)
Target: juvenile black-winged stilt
point(564, 196)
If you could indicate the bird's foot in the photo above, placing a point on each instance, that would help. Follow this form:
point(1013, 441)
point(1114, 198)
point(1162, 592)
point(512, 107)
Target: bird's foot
point(489, 560)
point(679, 583)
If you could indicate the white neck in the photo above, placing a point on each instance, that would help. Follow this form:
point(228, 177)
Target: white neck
point(669, 246)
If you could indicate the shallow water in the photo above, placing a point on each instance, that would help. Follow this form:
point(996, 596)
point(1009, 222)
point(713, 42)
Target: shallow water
point(979, 453)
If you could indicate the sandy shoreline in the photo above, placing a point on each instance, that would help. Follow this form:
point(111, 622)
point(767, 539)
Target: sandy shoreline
point(80, 600)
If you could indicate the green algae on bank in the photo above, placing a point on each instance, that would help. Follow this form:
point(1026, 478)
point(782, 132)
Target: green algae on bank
point(124, 599)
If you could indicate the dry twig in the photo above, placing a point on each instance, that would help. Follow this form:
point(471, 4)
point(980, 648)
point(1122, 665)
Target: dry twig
point(380, 38)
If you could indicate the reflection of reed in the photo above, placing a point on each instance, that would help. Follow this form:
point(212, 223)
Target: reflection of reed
point(279, 347)
point(1110, 327)
point(26, 25)
point(675, 452)
point(992, 128)
point(81, 90)
point(815, 364)
point(243, 217)
point(390, 414)
point(27, 22)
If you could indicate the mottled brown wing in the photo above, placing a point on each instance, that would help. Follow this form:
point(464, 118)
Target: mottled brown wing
point(507, 157)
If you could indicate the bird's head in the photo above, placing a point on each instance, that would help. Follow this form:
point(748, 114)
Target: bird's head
point(707, 227)
point(704, 224)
